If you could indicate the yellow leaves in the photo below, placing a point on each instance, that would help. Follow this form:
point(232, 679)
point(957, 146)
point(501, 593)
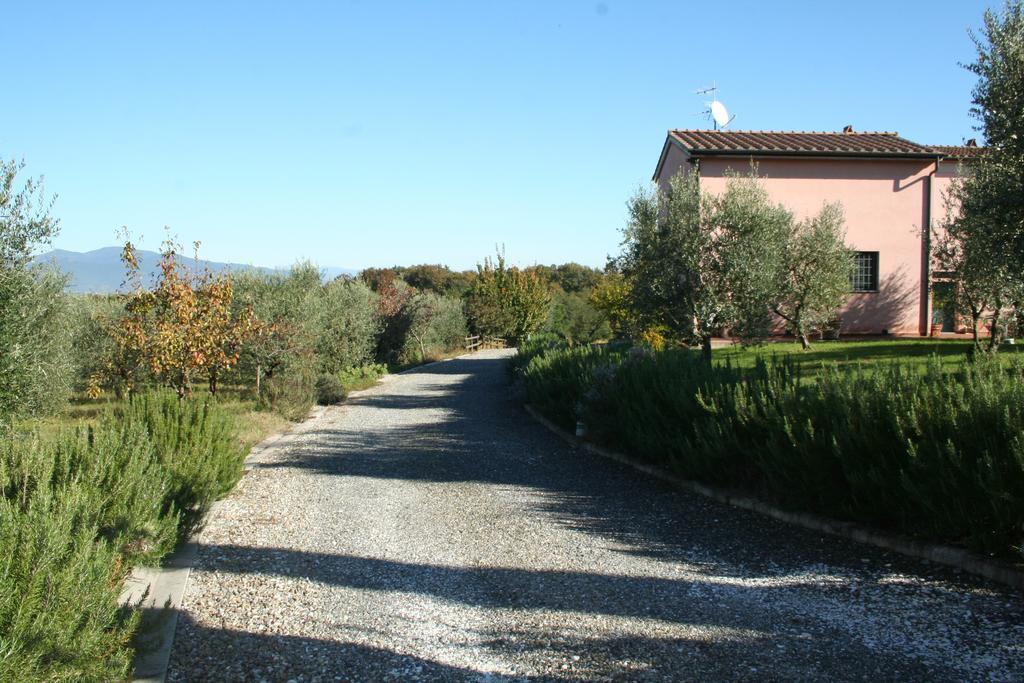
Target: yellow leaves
point(184, 325)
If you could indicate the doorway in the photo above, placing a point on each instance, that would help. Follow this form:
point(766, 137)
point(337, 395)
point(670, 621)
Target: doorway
point(944, 306)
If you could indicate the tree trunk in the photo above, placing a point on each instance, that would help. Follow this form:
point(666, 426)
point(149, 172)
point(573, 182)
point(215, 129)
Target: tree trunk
point(994, 336)
point(705, 349)
point(213, 382)
point(259, 371)
point(805, 340)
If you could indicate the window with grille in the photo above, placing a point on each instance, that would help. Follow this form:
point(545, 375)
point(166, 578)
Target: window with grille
point(865, 272)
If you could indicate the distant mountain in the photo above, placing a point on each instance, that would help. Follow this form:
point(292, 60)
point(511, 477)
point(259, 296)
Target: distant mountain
point(101, 271)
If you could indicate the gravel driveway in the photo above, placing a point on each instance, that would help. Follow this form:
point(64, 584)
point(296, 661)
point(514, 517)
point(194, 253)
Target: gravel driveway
point(429, 530)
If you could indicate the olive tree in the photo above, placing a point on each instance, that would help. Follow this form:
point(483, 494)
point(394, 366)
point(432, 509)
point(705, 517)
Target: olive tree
point(814, 280)
point(985, 238)
point(699, 263)
point(35, 356)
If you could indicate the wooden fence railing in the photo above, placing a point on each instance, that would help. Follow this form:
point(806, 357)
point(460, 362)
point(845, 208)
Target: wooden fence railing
point(479, 342)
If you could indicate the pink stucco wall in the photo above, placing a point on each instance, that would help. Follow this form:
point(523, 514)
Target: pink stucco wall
point(886, 207)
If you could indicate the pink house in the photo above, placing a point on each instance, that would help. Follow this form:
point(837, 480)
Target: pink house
point(891, 189)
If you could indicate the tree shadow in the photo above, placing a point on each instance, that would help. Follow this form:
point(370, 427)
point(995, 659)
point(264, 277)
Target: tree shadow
point(884, 311)
point(755, 583)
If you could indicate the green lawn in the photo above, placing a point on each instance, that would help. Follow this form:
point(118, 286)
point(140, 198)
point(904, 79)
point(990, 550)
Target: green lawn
point(253, 425)
point(918, 352)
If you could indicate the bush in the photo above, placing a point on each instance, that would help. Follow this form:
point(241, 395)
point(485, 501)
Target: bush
point(79, 511)
point(36, 368)
point(437, 324)
point(576, 320)
point(556, 381)
point(290, 392)
point(329, 390)
point(348, 326)
point(197, 445)
point(75, 515)
point(937, 454)
point(353, 379)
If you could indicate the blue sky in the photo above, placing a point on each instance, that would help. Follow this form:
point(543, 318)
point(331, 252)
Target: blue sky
point(376, 133)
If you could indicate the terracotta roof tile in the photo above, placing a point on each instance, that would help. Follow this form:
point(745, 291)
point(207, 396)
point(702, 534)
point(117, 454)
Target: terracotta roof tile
point(959, 151)
point(762, 142)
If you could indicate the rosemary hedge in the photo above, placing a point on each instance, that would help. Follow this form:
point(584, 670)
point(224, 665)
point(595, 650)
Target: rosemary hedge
point(937, 453)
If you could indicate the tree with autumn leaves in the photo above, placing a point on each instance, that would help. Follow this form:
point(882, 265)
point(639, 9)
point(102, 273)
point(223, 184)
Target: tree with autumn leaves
point(182, 329)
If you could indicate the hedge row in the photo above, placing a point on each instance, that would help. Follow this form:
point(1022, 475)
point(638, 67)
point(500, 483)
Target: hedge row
point(937, 454)
point(79, 511)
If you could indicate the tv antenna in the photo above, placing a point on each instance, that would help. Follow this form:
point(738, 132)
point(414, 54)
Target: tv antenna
point(716, 111)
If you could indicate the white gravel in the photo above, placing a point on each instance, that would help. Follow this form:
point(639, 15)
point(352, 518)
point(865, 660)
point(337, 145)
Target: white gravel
point(428, 530)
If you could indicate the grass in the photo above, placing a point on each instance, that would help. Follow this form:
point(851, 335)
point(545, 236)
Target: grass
point(253, 425)
point(904, 435)
point(916, 353)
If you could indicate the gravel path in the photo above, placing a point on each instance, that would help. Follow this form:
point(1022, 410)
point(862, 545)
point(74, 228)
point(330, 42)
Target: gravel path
point(428, 530)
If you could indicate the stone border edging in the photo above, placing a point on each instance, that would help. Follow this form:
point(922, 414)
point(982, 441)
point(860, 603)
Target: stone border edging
point(995, 570)
point(167, 583)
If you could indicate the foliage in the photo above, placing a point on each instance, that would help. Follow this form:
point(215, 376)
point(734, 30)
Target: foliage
point(36, 364)
point(329, 390)
point(613, 296)
point(35, 359)
point(347, 327)
point(962, 251)
point(698, 263)
point(425, 277)
point(507, 302)
point(576, 320)
point(936, 453)
point(393, 297)
point(78, 511)
point(25, 220)
point(353, 379)
point(815, 275)
point(985, 238)
point(279, 355)
point(435, 323)
point(570, 277)
point(184, 326)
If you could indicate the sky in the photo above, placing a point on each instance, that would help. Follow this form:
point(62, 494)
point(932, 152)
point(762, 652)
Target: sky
point(359, 134)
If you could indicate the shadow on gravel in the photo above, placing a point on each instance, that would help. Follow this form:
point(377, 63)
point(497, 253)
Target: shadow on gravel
point(701, 602)
point(273, 657)
point(747, 578)
point(474, 432)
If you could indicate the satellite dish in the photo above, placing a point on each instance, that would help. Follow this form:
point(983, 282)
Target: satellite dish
point(720, 114)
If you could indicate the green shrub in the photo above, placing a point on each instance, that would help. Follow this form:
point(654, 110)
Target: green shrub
point(79, 511)
point(347, 325)
point(75, 516)
point(329, 390)
point(290, 392)
point(353, 379)
point(197, 445)
point(557, 381)
point(938, 453)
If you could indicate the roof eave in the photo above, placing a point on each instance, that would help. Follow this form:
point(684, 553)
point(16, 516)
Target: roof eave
point(669, 140)
point(809, 154)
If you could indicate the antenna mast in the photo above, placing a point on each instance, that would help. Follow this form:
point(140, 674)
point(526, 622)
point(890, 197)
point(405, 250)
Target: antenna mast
point(716, 111)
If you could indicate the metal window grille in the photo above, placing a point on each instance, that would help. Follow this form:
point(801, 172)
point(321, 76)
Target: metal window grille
point(865, 274)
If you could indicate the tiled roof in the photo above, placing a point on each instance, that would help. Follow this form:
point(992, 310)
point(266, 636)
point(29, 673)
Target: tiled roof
point(699, 142)
point(959, 151)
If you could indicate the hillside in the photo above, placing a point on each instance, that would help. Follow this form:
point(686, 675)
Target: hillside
point(101, 270)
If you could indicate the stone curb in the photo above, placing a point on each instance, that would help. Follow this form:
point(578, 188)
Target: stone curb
point(995, 570)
